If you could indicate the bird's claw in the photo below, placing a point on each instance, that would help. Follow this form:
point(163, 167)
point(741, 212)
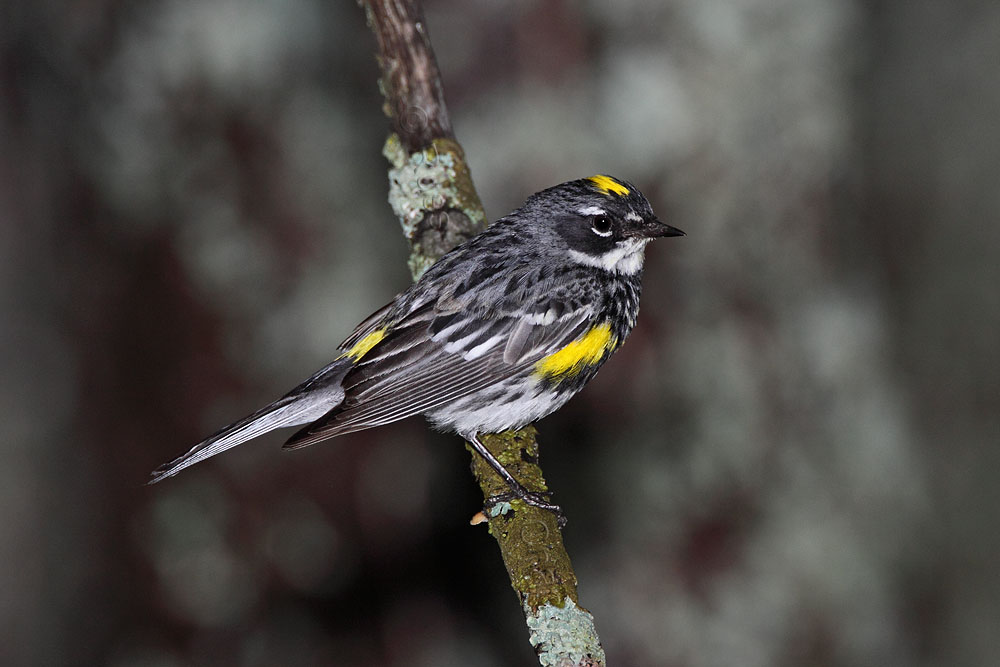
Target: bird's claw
point(541, 500)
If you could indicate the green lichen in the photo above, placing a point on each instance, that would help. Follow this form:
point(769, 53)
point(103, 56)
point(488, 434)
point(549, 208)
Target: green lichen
point(499, 509)
point(564, 635)
point(393, 150)
point(431, 193)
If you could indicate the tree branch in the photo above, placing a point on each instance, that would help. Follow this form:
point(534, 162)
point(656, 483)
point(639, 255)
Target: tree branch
point(431, 192)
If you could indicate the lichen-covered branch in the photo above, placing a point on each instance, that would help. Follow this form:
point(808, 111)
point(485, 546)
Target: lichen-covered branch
point(540, 571)
point(431, 192)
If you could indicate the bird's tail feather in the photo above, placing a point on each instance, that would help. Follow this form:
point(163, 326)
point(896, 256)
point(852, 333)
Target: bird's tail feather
point(306, 403)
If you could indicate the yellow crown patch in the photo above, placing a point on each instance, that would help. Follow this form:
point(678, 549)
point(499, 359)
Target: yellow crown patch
point(608, 185)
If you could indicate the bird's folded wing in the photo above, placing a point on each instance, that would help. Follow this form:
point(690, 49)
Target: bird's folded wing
point(434, 357)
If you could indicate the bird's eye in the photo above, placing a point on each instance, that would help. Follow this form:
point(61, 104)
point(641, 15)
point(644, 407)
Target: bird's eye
point(601, 225)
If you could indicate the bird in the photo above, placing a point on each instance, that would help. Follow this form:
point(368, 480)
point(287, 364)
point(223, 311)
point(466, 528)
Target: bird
point(498, 333)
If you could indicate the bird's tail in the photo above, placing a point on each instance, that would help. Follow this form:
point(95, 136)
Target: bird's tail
point(306, 403)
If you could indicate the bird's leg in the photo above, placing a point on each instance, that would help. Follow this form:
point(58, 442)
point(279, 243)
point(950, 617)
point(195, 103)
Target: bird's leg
point(517, 490)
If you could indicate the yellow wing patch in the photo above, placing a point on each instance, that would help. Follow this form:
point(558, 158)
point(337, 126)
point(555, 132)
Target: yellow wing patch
point(608, 185)
point(584, 351)
point(362, 347)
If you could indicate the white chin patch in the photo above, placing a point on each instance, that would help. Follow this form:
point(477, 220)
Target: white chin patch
point(626, 257)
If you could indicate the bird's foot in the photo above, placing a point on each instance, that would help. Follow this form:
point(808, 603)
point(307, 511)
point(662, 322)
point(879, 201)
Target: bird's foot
point(541, 500)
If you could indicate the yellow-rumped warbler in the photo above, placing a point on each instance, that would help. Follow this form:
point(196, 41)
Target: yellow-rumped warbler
point(499, 333)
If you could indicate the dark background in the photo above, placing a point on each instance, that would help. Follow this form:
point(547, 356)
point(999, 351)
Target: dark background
point(792, 462)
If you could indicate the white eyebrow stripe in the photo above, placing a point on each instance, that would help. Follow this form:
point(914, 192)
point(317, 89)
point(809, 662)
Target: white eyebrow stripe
point(591, 210)
point(633, 217)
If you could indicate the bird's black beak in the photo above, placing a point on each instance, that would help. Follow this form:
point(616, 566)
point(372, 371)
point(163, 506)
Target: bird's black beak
point(652, 229)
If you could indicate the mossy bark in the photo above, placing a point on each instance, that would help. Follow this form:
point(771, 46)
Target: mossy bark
point(529, 538)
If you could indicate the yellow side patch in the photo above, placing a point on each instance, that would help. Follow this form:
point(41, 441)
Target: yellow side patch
point(608, 185)
point(361, 348)
point(584, 351)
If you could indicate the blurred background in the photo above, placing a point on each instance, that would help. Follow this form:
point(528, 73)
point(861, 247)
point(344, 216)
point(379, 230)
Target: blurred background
point(792, 462)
